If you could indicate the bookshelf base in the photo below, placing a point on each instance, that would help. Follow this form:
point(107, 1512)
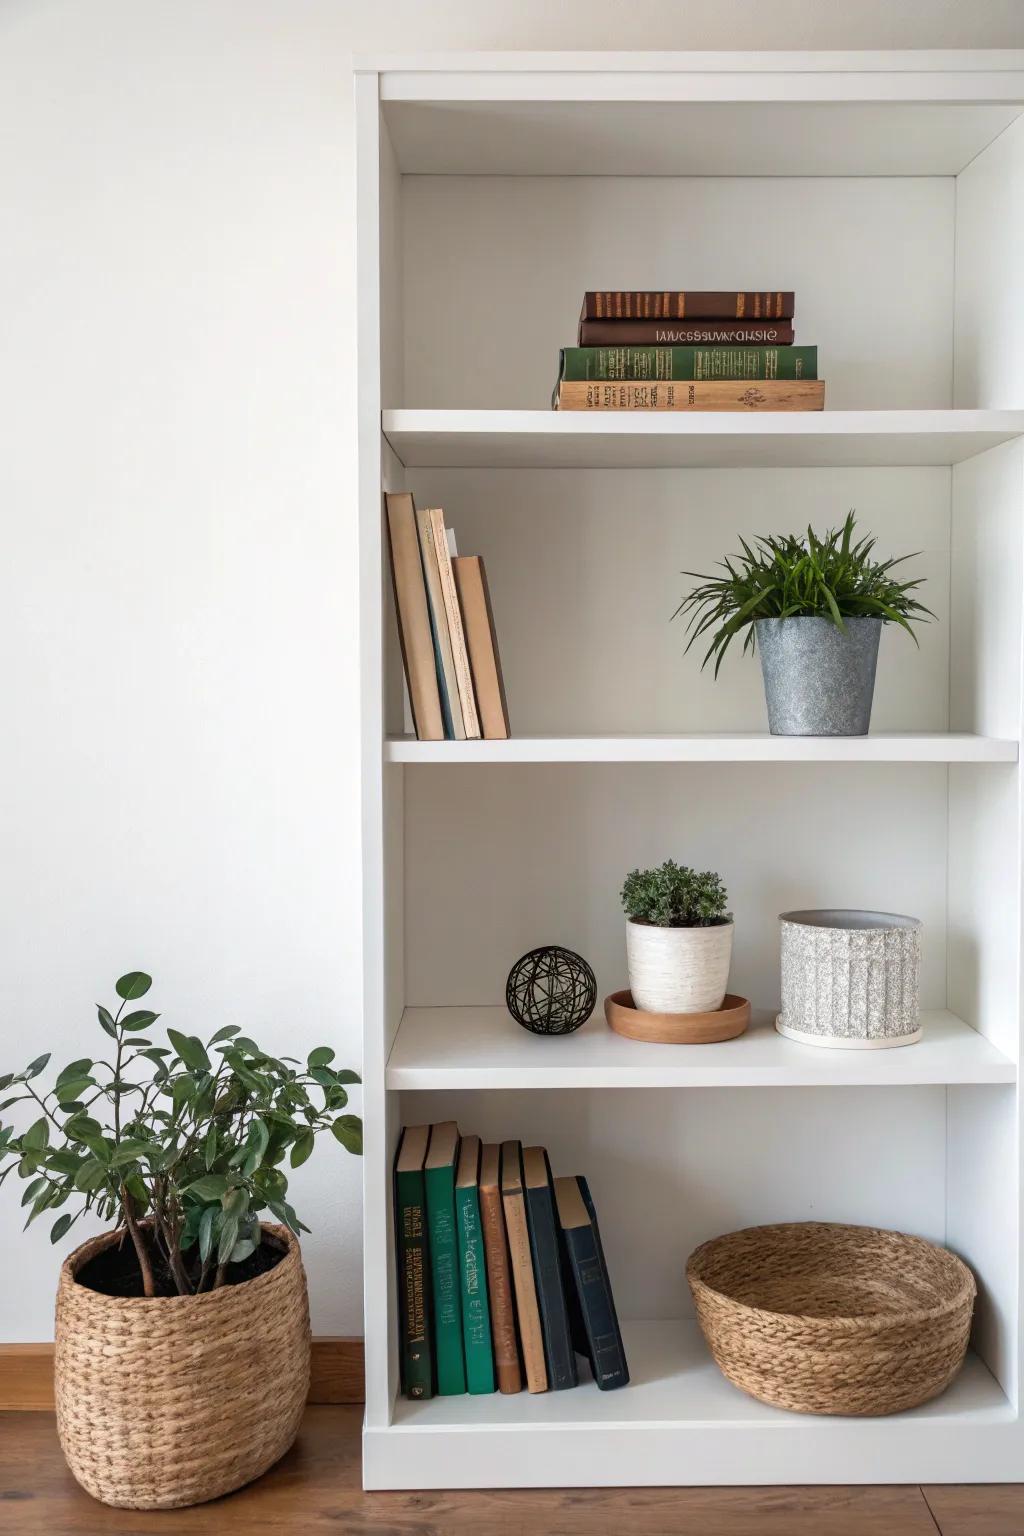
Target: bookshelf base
point(679, 1422)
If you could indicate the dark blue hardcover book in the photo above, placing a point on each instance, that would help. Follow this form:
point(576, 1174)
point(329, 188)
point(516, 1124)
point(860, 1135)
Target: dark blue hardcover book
point(601, 1339)
point(547, 1270)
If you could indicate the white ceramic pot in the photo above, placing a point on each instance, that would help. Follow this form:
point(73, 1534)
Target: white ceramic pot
point(678, 970)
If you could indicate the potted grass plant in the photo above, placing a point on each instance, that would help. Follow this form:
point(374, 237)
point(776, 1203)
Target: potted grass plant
point(814, 610)
point(182, 1335)
point(678, 939)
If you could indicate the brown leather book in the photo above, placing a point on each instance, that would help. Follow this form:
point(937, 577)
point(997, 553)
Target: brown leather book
point(482, 642)
point(704, 395)
point(686, 304)
point(499, 1272)
point(514, 1203)
point(685, 333)
point(413, 617)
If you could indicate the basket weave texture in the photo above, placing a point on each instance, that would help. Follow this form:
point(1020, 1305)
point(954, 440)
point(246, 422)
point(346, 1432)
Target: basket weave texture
point(169, 1401)
point(822, 1318)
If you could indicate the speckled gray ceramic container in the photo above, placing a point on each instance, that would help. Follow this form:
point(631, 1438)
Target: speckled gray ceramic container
point(818, 680)
point(850, 978)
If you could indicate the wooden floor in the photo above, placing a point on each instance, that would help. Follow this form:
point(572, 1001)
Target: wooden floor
point(316, 1488)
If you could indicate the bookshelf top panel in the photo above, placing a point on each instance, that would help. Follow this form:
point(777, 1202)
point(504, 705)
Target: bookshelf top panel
point(457, 1048)
point(695, 125)
point(695, 440)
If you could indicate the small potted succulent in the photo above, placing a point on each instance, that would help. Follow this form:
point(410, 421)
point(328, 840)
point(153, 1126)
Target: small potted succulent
point(182, 1339)
point(814, 607)
point(678, 939)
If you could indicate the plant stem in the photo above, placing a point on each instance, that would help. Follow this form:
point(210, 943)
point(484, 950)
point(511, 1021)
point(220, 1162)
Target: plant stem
point(218, 1279)
point(145, 1267)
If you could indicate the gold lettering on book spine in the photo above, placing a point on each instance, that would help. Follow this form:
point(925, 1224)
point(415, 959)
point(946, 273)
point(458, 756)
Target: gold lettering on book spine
point(741, 306)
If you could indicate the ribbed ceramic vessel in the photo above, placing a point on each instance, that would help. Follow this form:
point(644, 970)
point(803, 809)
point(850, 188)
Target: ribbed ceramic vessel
point(678, 970)
point(818, 680)
point(850, 978)
point(174, 1400)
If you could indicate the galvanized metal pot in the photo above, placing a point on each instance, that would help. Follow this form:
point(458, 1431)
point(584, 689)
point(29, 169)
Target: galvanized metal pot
point(818, 680)
point(850, 978)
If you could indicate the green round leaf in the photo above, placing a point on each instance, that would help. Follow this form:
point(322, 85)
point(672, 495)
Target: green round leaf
point(140, 1019)
point(59, 1227)
point(348, 1129)
point(346, 1075)
point(302, 1148)
point(74, 1069)
point(242, 1250)
point(319, 1057)
point(212, 1186)
point(35, 1067)
point(134, 984)
point(106, 1021)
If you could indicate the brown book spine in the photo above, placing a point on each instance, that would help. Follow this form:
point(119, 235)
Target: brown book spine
point(685, 333)
point(499, 1275)
point(413, 617)
point(456, 632)
point(686, 304)
point(482, 642)
point(514, 1203)
point(709, 395)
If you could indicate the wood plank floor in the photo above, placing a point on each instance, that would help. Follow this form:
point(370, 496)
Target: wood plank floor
point(316, 1488)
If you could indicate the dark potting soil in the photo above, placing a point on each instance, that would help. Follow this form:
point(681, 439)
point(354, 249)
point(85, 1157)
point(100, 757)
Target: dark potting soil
point(115, 1271)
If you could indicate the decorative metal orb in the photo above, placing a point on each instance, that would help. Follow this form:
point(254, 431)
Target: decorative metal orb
point(551, 991)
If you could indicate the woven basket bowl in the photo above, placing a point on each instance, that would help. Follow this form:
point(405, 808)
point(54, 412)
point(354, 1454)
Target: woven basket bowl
point(822, 1318)
point(169, 1401)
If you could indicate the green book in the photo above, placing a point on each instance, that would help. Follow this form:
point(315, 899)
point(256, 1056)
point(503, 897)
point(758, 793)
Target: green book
point(476, 1313)
point(439, 1177)
point(688, 363)
point(416, 1355)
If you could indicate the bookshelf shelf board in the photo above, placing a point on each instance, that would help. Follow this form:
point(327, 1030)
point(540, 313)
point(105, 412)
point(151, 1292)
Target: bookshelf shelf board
point(459, 1048)
point(702, 440)
point(753, 747)
point(676, 1422)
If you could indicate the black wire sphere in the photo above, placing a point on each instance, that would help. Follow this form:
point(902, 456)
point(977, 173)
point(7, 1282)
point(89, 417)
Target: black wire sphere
point(551, 991)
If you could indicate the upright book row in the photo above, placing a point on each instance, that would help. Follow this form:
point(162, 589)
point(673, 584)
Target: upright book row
point(679, 350)
point(446, 628)
point(501, 1273)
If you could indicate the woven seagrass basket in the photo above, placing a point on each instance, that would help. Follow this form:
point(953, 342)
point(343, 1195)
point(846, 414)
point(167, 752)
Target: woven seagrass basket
point(169, 1401)
point(823, 1318)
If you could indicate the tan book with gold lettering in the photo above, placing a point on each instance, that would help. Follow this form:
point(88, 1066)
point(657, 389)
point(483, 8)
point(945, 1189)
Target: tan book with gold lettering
point(514, 1202)
point(698, 395)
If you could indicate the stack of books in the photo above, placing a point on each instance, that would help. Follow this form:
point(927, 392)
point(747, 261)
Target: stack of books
point(501, 1275)
point(446, 628)
point(686, 351)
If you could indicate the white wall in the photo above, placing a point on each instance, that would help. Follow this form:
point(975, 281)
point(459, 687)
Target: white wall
point(177, 584)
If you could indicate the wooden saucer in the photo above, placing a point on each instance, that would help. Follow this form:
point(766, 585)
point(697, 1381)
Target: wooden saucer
point(677, 1028)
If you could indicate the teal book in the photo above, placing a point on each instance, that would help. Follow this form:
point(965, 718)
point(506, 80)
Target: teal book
point(439, 1177)
point(476, 1312)
point(688, 364)
point(416, 1358)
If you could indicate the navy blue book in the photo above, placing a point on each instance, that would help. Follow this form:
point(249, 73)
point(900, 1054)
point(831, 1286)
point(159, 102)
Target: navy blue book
point(601, 1340)
point(559, 1354)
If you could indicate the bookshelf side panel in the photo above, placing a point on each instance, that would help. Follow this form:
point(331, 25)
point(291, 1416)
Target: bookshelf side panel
point(989, 317)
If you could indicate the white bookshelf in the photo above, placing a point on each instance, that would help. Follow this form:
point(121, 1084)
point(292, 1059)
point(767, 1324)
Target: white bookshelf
point(887, 189)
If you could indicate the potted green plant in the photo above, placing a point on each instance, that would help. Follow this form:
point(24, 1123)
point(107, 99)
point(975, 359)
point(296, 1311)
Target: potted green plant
point(678, 939)
point(814, 608)
point(182, 1336)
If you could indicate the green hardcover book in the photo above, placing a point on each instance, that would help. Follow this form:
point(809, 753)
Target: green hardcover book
point(476, 1312)
point(416, 1355)
point(439, 1177)
point(688, 364)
